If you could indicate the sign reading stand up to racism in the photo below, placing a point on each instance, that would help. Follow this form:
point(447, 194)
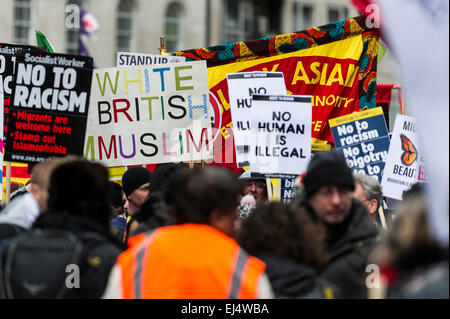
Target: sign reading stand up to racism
point(363, 137)
point(149, 115)
point(49, 108)
point(132, 58)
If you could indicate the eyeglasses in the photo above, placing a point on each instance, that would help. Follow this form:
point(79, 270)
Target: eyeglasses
point(258, 184)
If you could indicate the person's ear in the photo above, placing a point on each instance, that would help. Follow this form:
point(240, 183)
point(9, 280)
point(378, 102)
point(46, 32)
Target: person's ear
point(34, 190)
point(373, 206)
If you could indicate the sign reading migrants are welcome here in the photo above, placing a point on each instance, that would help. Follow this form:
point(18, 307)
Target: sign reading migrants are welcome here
point(149, 114)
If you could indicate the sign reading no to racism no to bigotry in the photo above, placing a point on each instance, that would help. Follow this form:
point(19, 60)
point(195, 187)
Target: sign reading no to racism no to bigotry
point(149, 114)
point(363, 137)
point(50, 104)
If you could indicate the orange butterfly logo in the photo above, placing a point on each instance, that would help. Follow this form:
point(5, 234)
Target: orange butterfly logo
point(409, 155)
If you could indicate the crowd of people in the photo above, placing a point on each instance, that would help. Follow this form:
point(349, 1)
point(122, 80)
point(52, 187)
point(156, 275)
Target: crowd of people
point(205, 232)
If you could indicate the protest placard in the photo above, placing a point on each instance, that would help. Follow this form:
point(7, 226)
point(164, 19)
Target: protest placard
point(404, 163)
point(50, 104)
point(282, 126)
point(241, 87)
point(8, 54)
point(149, 115)
point(132, 58)
point(363, 137)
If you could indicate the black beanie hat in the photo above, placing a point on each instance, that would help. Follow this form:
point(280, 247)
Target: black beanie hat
point(134, 178)
point(327, 168)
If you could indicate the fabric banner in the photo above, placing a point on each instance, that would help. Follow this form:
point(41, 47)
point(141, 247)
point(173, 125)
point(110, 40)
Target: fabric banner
point(149, 115)
point(335, 63)
point(384, 95)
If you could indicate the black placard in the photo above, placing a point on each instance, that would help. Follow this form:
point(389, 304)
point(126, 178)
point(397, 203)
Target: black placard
point(49, 106)
point(8, 54)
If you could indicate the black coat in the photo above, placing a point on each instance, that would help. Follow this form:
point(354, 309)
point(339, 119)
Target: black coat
point(294, 280)
point(349, 245)
point(98, 255)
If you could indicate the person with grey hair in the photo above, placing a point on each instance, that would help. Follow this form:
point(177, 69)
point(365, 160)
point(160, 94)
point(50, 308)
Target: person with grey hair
point(368, 191)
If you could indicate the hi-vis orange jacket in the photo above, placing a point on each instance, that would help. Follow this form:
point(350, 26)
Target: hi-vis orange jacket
point(187, 261)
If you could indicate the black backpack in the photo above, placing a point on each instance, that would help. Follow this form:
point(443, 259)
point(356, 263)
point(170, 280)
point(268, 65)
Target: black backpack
point(45, 264)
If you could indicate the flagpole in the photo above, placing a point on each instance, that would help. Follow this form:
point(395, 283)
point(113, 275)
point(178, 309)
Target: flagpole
point(8, 182)
point(269, 189)
point(162, 49)
point(402, 91)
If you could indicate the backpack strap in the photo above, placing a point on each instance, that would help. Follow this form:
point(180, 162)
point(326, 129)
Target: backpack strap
point(11, 253)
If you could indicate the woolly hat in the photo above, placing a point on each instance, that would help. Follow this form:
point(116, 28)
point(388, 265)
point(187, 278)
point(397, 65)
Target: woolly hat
point(327, 168)
point(134, 178)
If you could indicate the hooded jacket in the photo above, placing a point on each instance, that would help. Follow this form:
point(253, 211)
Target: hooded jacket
point(18, 216)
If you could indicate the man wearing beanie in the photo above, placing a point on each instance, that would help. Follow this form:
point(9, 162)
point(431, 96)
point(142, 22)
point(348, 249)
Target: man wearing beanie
point(350, 235)
point(136, 186)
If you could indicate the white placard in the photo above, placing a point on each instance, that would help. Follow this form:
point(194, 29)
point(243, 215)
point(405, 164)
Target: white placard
point(403, 162)
point(282, 125)
point(132, 58)
point(149, 115)
point(241, 86)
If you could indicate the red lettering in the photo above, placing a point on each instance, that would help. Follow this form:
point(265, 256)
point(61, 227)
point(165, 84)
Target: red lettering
point(122, 110)
point(199, 147)
point(112, 146)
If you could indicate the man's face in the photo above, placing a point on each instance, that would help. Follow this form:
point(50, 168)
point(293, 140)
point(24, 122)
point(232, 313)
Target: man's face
point(371, 205)
point(331, 203)
point(125, 203)
point(255, 188)
point(138, 197)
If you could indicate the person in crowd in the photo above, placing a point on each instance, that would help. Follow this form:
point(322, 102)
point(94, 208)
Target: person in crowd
point(153, 213)
point(255, 187)
point(412, 263)
point(20, 214)
point(136, 187)
point(368, 191)
point(350, 235)
point(292, 247)
point(117, 201)
point(197, 257)
point(77, 224)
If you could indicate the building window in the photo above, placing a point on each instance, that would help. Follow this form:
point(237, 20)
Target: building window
point(303, 16)
point(72, 34)
point(174, 27)
point(239, 21)
point(337, 14)
point(22, 21)
point(125, 25)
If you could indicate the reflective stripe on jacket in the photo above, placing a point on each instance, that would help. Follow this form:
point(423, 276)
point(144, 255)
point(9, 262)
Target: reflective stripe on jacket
point(189, 261)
